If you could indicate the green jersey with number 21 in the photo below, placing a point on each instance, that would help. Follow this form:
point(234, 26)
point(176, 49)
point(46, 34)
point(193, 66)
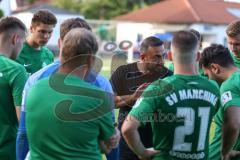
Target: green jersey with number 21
point(180, 109)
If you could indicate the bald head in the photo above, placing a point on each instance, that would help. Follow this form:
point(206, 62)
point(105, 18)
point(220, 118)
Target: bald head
point(78, 42)
point(184, 47)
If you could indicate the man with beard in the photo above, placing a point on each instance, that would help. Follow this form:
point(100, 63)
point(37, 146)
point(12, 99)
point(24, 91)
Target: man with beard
point(218, 65)
point(34, 54)
point(129, 81)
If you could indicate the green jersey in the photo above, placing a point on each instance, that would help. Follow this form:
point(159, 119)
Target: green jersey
point(230, 96)
point(33, 59)
point(180, 109)
point(63, 119)
point(170, 66)
point(12, 79)
point(235, 60)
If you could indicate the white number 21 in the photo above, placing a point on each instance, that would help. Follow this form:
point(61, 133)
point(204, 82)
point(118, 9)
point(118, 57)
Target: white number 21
point(188, 128)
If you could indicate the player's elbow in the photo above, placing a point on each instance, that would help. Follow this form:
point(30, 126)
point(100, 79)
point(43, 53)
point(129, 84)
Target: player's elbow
point(126, 129)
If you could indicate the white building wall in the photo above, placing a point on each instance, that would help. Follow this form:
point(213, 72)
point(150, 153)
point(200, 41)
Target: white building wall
point(215, 33)
point(6, 7)
point(130, 30)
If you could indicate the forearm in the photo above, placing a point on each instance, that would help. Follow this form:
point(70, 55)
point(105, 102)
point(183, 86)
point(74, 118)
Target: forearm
point(132, 138)
point(230, 136)
point(123, 101)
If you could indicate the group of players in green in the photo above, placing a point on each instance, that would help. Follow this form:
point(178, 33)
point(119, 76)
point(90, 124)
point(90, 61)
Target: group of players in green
point(68, 116)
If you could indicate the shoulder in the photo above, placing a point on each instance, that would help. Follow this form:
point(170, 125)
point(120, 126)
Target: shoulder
point(231, 83)
point(25, 49)
point(103, 83)
point(165, 72)
point(46, 49)
point(210, 82)
point(44, 72)
point(12, 65)
point(159, 87)
point(130, 66)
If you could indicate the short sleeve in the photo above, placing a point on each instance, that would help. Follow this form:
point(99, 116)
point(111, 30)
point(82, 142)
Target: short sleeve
point(230, 95)
point(17, 82)
point(145, 107)
point(106, 127)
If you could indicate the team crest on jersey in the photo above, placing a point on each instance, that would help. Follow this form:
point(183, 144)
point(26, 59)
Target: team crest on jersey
point(138, 102)
point(226, 97)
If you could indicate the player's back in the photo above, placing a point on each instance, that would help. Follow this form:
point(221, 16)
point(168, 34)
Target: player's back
point(184, 108)
point(58, 126)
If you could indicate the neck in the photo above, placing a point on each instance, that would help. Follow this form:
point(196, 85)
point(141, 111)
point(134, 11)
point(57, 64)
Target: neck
point(185, 69)
point(141, 67)
point(229, 71)
point(5, 51)
point(79, 72)
point(31, 43)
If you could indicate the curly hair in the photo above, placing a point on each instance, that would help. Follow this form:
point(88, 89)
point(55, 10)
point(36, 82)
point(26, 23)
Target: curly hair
point(218, 54)
point(44, 16)
point(233, 29)
point(71, 23)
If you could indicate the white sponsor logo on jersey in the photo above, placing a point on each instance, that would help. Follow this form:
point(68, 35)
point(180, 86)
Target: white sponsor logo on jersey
point(226, 97)
point(27, 65)
point(1, 74)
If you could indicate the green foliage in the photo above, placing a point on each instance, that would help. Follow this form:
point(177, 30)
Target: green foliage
point(1, 13)
point(102, 9)
point(31, 1)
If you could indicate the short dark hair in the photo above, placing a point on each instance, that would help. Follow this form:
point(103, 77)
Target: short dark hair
point(150, 42)
point(44, 16)
point(71, 23)
point(197, 34)
point(233, 29)
point(184, 41)
point(218, 54)
point(11, 23)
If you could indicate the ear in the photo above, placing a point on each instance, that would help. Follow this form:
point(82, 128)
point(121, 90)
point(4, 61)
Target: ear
point(142, 56)
point(59, 43)
point(215, 68)
point(169, 55)
point(31, 29)
point(14, 39)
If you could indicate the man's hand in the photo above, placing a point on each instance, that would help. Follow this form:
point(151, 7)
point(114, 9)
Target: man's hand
point(139, 91)
point(129, 100)
point(148, 154)
point(114, 140)
point(230, 155)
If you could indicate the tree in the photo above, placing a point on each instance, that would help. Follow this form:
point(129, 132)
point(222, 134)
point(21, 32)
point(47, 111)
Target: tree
point(103, 9)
